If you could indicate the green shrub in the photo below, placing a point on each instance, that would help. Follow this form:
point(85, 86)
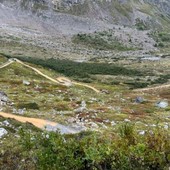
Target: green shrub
point(33, 106)
point(160, 44)
point(126, 150)
point(82, 70)
point(100, 40)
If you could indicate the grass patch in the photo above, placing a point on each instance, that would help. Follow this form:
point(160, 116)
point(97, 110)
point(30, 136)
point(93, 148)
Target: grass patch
point(101, 41)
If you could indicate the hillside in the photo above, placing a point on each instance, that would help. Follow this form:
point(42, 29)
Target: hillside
point(84, 84)
point(129, 27)
point(38, 99)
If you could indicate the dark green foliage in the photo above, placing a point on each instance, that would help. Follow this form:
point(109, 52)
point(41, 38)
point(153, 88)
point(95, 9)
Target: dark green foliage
point(141, 25)
point(126, 150)
point(162, 79)
point(160, 44)
point(100, 40)
point(162, 39)
point(82, 70)
point(33, 106)
point(164, 36)
point(137, 84)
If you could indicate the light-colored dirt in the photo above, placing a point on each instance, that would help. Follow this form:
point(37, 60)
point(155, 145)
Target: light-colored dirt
point(6, 64)
point(68, 81)
point(40, 123)
point(37, 71)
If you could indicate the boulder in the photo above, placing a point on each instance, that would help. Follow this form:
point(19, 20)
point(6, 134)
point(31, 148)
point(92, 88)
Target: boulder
point(162, 104)
point(2, 132)
point(139, 99)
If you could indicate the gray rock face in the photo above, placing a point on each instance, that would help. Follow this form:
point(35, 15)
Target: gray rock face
point(121, 11)
point(3, 98)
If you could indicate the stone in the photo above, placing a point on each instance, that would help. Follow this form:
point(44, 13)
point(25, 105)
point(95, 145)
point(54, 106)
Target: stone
point(142, 132)
point(3, 98)
point(21, 111)
point(162, 104)
point(83, 104)
point(25, 82)
point(126, 120)
point(81, 108)
point(3, 132)
point(113, 123)
point(166, 127)
point(6, 123)
point(139, 99)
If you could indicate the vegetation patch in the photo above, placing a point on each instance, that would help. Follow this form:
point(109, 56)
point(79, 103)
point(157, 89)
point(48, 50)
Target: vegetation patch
point(126, 149)
point(82, 70)
point(140, 25)
point(162, 39)
point(33, 106)
point(101, 41)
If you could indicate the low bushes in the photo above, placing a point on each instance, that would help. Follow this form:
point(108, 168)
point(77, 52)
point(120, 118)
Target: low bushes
point(82, 70)
point(126, 150)
point(101, 41)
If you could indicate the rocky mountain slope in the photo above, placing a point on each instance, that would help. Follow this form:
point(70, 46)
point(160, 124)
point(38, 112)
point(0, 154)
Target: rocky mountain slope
point(49, 26)
point(74, 14)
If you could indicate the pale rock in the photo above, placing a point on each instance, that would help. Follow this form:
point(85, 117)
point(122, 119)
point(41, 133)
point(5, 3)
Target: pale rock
point(126, 120)
point(113, 123)
point(142, 132)
point(6, 123)
point(166, 127)
point(3, 132)
point(25, 82)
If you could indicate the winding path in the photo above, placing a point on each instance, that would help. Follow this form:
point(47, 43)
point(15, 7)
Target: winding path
point(41, 123)
point(6, 64)
point(68, 82)
point(60, 80)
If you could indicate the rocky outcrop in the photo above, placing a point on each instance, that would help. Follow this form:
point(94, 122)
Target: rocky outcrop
point(123, 12)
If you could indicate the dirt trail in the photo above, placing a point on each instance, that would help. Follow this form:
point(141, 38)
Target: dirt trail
point(68, 81)
point(60, 80)
point(153, 88)
point(6, 64)
point(42, 124)
point(39, 72)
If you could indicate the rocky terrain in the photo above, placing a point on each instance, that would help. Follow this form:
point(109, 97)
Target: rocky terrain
point(54, 23)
